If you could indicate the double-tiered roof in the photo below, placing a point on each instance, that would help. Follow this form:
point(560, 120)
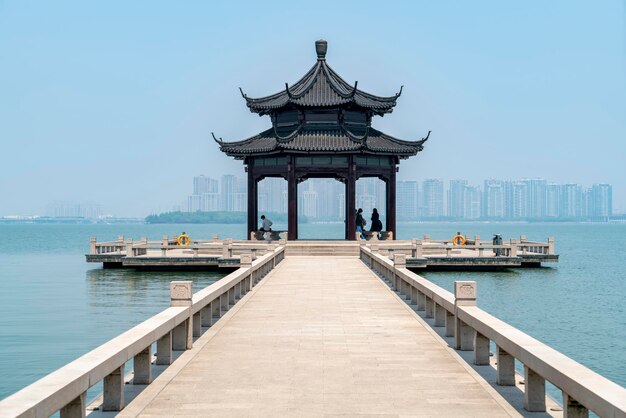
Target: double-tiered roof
point(321, 114)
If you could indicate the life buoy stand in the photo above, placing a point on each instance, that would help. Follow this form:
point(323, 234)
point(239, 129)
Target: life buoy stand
point(183, 240)
point(458, 240)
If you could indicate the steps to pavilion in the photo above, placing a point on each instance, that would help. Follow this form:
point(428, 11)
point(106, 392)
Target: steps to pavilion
point(322, 248)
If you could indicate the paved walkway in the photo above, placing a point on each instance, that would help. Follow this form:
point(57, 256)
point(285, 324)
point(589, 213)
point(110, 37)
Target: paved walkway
point(320, 336)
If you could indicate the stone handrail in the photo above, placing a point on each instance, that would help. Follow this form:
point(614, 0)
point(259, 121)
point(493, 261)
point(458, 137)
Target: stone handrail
point(473, 329)
point(226, 248)
point(65, 389)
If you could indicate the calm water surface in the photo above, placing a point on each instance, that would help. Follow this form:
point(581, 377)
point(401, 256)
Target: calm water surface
point(55, 307)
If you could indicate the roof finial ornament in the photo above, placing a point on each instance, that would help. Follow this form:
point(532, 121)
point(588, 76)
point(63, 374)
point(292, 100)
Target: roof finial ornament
point(320, 47)
point(219, 141)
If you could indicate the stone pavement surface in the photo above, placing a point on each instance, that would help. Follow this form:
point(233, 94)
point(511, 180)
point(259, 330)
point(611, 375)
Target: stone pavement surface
point(322, 336)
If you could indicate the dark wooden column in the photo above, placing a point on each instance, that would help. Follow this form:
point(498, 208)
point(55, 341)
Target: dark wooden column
point(391, 201)
point(292, 200)
point(351, 201)
point(252, 199)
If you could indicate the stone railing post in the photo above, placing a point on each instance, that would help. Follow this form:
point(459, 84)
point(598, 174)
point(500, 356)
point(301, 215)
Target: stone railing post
point(113, 390)
point(76, 408)
point(225, 250)
point(399, 262)
point(245, 261)
point(419, 250)
point(164, 244)
point(92, 245)
point(129, 248)
point(180, 295)
point(426, 238)
point(120, 238)
point(464, 295)
point(572, 408)
point(506, 368)
point(551, 245)
point(477, 240)
point(513, 252)
point(522, 238)
point(215, 237)
point(534, 391)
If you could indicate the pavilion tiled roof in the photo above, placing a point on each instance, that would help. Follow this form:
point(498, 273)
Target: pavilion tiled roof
point(322, 87)
point(335, 139)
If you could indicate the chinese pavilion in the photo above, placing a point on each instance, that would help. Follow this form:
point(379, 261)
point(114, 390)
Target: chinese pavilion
point(321, 128)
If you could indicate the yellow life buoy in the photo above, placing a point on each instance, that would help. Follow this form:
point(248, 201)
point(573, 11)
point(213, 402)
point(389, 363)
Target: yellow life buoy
point(183, 240)
point(458, 240)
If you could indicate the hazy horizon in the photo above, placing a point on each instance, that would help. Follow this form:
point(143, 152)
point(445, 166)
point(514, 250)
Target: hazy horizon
point(115, 102)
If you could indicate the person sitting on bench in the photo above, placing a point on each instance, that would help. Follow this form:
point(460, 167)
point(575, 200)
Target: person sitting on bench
point(266, 224)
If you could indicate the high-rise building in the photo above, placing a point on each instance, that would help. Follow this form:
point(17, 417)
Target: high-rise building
point(203, 184)
point(456, 198)
point(571, 204)
point(227, 192)
point(553, 200)
point(520, 200)
point(471, 202)
point(407, 200)
point(494, 199)
point(432, 198)
point(536, 205)
point(601, 201)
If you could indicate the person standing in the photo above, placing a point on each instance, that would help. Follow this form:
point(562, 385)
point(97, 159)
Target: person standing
point(377, 225)
point(360, 222)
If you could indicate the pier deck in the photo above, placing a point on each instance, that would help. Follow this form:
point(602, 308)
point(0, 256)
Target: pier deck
point(299, 346)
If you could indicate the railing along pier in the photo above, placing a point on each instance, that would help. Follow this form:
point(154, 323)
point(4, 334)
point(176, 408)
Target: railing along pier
point(172, 329)
point(473, 329)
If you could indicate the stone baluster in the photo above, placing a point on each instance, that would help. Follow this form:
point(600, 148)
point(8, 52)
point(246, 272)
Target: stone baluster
point(551, 245)
point(142, 367)
point(76, 408)
point(113, 390)
point(534, 391)
point(164, 244)
point(464, 295)
point(164, 349)
point(419, 250)
point(181, 295)
point(572, 408)
point(513, 244)
point(440, 315)
point(506, 368)
point(129, 248)
point(399, 261)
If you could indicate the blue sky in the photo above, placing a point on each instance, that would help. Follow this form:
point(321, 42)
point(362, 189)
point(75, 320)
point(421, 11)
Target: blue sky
point(114, 101)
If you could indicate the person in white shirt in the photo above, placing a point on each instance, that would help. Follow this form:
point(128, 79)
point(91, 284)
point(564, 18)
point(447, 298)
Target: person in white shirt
point(266, 224)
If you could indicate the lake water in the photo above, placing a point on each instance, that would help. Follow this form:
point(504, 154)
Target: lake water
point(55, 307)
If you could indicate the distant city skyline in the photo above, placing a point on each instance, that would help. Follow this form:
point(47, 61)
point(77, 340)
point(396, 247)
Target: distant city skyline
point(429, 199)
point(98, 102)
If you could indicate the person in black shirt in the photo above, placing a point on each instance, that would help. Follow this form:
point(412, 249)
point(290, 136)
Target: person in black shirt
point(360, 221)
point(377, 225)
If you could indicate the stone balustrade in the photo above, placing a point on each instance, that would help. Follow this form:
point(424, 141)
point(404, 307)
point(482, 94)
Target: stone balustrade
point(227, 248)
point(65, 389)
point(473, 329)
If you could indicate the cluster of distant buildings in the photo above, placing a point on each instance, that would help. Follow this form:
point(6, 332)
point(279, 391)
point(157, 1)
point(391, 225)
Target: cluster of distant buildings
point(73, 209)
point(324, 199)
point(531, 199)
